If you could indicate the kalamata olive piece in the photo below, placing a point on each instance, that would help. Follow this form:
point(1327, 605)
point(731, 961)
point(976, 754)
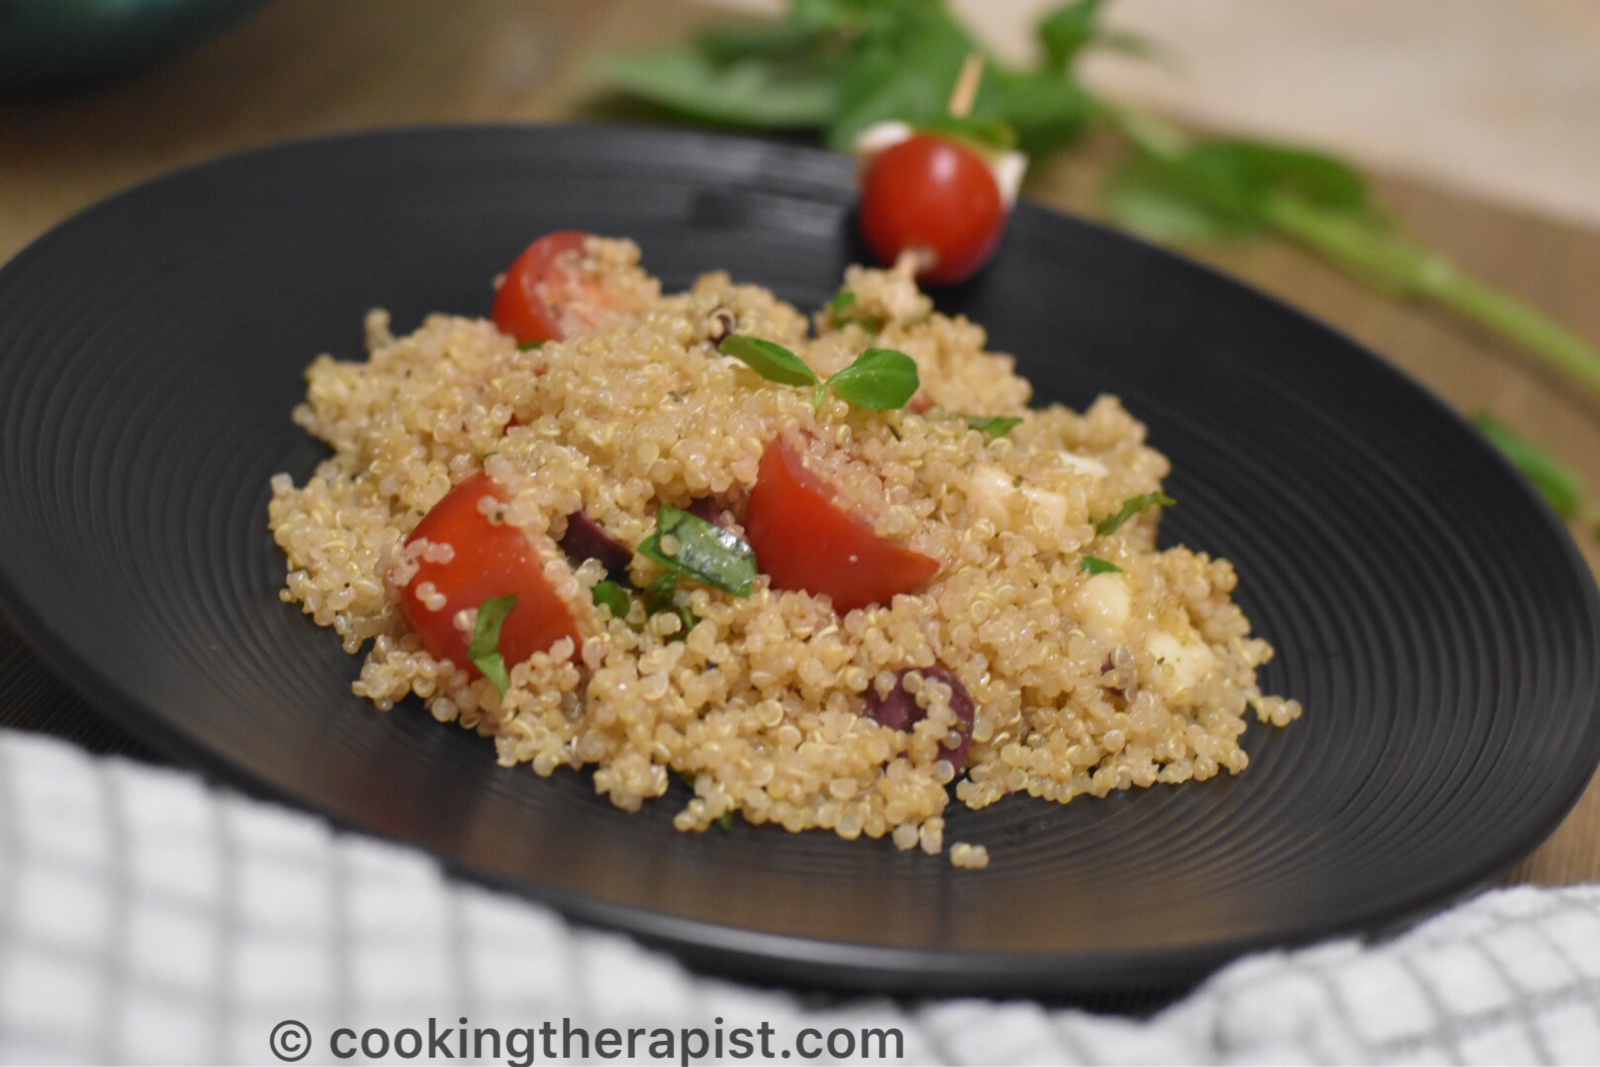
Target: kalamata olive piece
point(587, 539)
point(900, 710)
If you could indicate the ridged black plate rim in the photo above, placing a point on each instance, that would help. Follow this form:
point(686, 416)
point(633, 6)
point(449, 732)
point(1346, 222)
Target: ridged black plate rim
point(814, 960)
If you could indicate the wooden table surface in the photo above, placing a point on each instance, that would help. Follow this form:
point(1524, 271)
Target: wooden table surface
point(307, 67)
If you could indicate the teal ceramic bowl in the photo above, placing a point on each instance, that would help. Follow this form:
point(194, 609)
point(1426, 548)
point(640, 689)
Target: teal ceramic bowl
point(63, 44)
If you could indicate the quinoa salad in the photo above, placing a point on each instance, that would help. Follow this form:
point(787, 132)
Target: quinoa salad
point(830, 571)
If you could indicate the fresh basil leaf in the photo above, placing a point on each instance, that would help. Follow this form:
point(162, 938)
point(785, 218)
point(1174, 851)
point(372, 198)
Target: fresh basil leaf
point(751, 91)
point(611, 595)
point(485, 646)
point(1558, 483)
point(529, 346)
point(893, 16)
point(1073, 27)
point(1068, 30)
point(1096, 565)
point(1310, 177)
point(902, 72)
point(879, 379)
point(658, 592)
point(822, 14)
point(862, 16)
point(725, 820)
point(842, 301)
point(1170, 200)
point(772, 361)
point(786, 40)
point(993, 425)
point(1227, 188)
point(1131, 507)
point(1046, 110)
point(706, 552)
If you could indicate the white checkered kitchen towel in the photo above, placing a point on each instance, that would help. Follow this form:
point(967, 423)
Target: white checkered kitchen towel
point(147, 917)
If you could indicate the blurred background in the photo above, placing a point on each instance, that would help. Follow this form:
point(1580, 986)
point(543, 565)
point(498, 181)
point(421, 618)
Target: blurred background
point(1497, 97)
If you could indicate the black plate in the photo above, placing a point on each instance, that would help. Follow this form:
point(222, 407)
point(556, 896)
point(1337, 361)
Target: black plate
point(1433, 616)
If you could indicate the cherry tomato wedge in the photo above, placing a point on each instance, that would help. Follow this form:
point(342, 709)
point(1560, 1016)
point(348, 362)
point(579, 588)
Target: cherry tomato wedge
point(936, 197)
point(804, 539)
point(543, 297)
point(489, 560)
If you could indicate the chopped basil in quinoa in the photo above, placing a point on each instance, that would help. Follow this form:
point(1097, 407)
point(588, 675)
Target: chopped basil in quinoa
point(993, 425)
point(485, 647)
point(690, 546)
point(1131, 507)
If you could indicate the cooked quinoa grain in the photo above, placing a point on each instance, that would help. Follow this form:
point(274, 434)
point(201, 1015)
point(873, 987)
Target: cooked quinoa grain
point(1077, 683)
point(972, 857)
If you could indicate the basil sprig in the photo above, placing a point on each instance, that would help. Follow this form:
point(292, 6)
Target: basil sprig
point(839, 66)
point(1558, 483)
point(880, 378)
point(993, 425)
point(705, 551)
point(485, 647)
point(1131, 507)
point(1096, 565)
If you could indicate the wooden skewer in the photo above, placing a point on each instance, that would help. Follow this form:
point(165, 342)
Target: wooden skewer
point(965, 93)
point(913, 261)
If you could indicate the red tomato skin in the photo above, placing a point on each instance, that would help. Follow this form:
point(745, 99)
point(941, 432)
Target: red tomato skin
point(804, 540)
point(932, 194)
point(490, 560)
point(520, 308)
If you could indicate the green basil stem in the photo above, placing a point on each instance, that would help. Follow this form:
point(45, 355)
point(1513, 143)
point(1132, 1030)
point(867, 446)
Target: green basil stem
point(1392, 263)
point(1418, 272)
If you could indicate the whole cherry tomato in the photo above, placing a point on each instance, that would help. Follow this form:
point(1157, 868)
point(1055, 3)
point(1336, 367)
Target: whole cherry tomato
point(935, 197)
